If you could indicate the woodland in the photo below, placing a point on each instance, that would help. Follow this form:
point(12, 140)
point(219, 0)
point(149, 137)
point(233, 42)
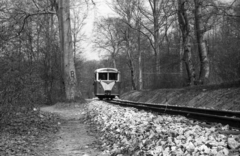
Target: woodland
point(170, 44)
point(155, 44)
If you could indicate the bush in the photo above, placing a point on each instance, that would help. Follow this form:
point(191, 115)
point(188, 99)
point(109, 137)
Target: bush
point(21, 87)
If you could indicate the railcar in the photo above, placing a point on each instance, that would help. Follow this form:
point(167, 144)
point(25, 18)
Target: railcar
point(106, 83)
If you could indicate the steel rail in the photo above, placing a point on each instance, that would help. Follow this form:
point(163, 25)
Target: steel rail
point(208, 115)
point(192, 109)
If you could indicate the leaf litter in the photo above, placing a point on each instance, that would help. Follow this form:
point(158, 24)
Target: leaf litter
point(128, 131)
point(27, 133)
point(121, 132)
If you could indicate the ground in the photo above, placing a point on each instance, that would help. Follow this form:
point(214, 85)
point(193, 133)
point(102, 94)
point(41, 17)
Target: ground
point(59, 130)
point(73, 138)
point(212, 97)
point(62, 130)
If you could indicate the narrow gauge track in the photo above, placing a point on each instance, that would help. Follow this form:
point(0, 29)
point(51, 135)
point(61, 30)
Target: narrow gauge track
point(231, 118)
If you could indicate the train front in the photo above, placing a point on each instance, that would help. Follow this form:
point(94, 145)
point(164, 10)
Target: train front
point(107, 83)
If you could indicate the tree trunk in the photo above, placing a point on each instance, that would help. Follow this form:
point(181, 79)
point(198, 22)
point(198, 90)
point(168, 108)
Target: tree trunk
point(204, 66)
point(69, 71)
point(132, 75)
point(114, 60)
point(157, 51)
point(131, 65)
point(188, 62)
point(201, 44)
point(181, 53)
point(48, 62)
point(140, 78)
point(185, 29)
point(127, 38)
point(156, 36)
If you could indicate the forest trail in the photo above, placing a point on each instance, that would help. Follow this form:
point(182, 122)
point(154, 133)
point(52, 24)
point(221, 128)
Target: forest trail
point(73, 138)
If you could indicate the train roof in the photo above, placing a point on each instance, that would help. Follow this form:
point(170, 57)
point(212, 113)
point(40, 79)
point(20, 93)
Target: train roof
point(106, 70)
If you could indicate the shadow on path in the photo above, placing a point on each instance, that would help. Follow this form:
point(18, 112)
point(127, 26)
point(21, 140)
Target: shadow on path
point(73, 138)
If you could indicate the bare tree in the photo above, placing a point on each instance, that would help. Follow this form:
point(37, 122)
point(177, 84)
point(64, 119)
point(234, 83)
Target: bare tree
point(202, 49)
point(126, 11)
point(205, 14)
point(156, 23)
point(79, 13)
point(138, 26)
point(185, 29)
point(69, 72)
point(32, 42)
point(154, 17)
point(140, 68)
point(108, 37)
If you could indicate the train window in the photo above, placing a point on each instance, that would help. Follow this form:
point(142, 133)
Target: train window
point(102, 76)
point(113, 76)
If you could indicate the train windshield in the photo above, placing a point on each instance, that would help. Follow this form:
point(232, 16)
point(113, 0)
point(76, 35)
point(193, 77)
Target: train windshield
point(102, 76)
point(113, 76)
point(108, 76)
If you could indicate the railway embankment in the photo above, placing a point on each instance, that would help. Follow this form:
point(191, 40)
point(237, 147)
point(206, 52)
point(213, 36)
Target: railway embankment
point(127, 131)
point(212, 97)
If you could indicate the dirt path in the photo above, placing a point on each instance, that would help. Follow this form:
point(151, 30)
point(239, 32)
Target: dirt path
point(73, 138)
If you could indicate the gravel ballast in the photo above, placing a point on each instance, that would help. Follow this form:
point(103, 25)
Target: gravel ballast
point(128, 131)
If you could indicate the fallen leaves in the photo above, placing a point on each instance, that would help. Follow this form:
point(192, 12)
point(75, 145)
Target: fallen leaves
point(128, 131)
point(26, 133)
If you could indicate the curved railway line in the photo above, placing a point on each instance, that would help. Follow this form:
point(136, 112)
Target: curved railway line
point(231, 118)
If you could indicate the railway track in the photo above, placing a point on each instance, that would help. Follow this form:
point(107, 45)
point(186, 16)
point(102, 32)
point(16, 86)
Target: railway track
point(230, 118)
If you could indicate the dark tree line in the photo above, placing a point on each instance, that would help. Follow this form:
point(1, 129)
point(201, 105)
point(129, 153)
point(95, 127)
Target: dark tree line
point(37, 53)
point(154, 43)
